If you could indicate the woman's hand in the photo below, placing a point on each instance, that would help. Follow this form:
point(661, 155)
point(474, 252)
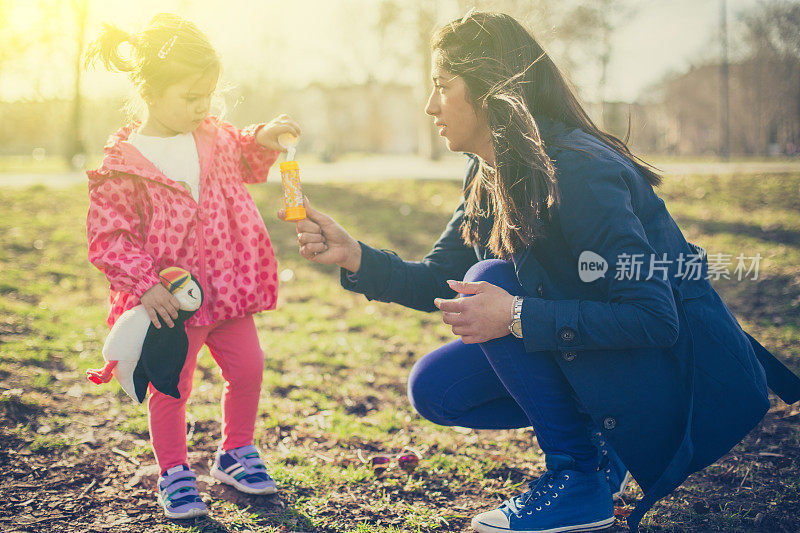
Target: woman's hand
point(479, 318)
point(268, 135)
point(323, 240)
point(157, 300)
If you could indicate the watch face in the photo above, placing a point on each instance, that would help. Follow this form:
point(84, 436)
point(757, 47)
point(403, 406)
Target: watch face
point(516, 328)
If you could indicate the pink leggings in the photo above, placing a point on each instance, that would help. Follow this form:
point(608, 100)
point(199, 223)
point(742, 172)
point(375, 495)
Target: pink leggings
point(234, 346)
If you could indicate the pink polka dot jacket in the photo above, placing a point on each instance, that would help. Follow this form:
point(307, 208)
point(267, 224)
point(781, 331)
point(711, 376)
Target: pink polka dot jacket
point(140, 222)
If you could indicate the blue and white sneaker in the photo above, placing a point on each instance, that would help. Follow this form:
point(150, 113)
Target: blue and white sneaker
point(243, 469)
point(178, 495)
point(562, 500)
point(611, 465)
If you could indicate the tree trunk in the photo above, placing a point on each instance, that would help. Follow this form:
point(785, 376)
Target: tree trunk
point(76, 148)
point(427, 146)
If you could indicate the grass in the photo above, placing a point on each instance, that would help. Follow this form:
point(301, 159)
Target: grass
point(23, 164)
point(336, 364)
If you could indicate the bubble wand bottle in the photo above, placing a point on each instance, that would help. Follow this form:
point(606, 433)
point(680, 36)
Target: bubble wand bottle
point(290, 178)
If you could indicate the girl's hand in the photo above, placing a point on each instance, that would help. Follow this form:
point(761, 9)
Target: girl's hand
point(323, 240)
point(479, 318)
point(159, 301)
point(268, 135)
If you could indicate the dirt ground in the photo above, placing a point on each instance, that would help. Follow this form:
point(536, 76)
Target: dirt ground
point(100, 487)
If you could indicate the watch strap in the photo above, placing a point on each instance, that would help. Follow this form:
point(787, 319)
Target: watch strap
point(516, 317)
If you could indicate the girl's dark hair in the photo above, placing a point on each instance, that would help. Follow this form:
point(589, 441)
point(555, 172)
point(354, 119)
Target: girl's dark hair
point(166, 51)
point(511, 79)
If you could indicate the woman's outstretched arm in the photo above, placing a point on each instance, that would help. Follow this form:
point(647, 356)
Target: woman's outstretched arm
point(381, 274)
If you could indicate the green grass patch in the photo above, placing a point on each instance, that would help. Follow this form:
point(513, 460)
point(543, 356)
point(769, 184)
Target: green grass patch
point(336, 367)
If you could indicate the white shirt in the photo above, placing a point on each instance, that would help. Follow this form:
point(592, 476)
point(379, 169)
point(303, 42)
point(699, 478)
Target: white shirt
point(176, 157)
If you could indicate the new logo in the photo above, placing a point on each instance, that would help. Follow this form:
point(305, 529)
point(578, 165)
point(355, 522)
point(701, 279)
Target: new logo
point(591, 266)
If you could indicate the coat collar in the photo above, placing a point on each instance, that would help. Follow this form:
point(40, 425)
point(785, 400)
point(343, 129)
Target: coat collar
point(120, 156)
point(549, 129)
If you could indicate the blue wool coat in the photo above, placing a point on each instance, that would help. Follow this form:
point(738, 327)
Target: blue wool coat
point(656, 358)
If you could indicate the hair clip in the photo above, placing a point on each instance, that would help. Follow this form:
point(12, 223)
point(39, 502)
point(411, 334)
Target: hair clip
point(165, 49)
point(468, 14)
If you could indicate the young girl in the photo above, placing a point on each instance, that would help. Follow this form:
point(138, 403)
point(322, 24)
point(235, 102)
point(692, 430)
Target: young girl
point(171, 192)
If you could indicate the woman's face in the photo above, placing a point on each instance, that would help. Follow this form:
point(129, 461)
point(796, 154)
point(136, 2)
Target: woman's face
point(463, 129)
point(181, 107)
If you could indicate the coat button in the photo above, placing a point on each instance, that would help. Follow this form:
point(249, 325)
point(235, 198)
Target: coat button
point(567, 334)
point(539, 290)
point(609, 422)
point(569, 356)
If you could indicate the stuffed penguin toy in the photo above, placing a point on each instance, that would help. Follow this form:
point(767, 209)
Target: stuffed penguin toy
point(137, 353)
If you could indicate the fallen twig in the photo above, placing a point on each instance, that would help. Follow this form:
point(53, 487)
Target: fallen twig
point(87, 488)
point(126, 455)
point(45, 519)
point(745, 477)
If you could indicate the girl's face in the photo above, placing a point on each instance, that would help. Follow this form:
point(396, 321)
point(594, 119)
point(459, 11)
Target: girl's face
point(464, 130)
point(180, 107)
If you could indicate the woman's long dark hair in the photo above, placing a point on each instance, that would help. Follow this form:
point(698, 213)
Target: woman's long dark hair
point(511, 78)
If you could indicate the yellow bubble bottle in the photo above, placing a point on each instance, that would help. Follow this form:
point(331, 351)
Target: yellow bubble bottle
point(290, 178)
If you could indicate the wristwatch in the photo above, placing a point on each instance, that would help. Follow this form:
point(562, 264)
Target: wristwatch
point(516, 321)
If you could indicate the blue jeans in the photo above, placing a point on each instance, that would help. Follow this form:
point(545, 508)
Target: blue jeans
point(498, 385)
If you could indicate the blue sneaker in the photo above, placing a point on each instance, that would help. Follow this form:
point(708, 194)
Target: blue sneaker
point(243, 469)
point(611, 465)
point(562, 500)
point(178, 495)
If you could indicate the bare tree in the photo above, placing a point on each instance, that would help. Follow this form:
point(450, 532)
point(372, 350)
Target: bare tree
point(76, 150)
point(589, 25)
point(773, 43)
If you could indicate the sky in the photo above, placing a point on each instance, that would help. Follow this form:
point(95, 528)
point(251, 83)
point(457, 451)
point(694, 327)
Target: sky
point(665, 36)
point(301, 41)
